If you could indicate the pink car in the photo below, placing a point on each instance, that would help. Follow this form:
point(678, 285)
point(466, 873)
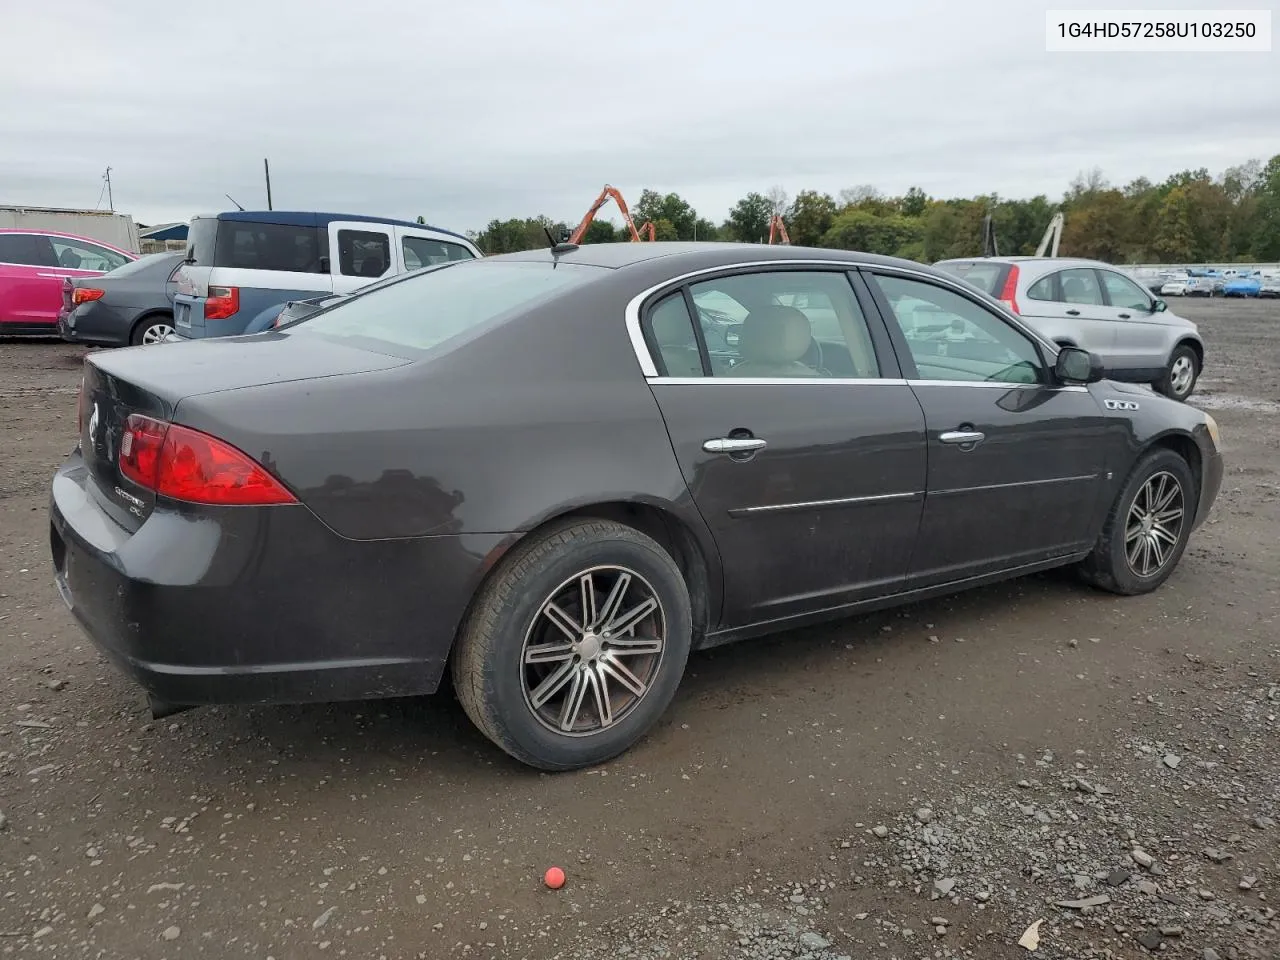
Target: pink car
point(33, 266)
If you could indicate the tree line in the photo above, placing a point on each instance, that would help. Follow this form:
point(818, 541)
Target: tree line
point(1191, 217)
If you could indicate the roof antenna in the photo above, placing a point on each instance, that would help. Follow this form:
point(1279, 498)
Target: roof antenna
point(558, 248)
point(233, 200)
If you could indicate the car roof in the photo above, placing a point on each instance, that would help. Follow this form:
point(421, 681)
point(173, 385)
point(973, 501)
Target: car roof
point(302, 218)
point(1047, 261)
point(68, 236)
point(698, 255)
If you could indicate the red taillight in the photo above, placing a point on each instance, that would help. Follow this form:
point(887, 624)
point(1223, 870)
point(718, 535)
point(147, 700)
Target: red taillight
point(185, 464)
point(85, 294)
point(1010, 292)
point(221, 303)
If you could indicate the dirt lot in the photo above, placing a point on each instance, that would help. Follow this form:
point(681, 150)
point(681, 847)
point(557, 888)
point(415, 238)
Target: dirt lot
point(924, 783)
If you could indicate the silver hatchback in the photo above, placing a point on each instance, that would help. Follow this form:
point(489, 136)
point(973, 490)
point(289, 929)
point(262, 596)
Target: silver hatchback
point(1093, 305)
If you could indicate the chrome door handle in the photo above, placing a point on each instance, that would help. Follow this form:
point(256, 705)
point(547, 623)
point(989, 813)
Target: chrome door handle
point(733, 444)
point(57, 276)
point(962, 436)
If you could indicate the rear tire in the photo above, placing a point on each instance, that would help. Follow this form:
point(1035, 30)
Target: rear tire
point(1147, 529)
point(1181, 375)
point(550, 670)
point(152, 329)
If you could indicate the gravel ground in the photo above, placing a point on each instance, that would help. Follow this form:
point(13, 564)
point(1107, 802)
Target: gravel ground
point(924, 783)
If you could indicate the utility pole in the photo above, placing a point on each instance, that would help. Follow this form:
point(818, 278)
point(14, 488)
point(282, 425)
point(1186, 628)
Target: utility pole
point(267, 170)
point(111, 203)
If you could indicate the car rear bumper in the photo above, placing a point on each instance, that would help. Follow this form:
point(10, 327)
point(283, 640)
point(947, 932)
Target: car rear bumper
point(94, 323)
point(258, 605)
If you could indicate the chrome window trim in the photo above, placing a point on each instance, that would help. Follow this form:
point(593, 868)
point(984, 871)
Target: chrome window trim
point(853, 382)
point(778, 381)
point(650, 370)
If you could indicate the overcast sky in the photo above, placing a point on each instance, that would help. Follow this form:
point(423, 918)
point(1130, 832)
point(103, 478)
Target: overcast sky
point(466, 111)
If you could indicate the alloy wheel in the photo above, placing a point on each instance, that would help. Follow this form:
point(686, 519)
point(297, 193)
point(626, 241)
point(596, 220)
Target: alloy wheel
point(1154, 524)
point(156, 332)
point(593, 651)
point(1181, 374)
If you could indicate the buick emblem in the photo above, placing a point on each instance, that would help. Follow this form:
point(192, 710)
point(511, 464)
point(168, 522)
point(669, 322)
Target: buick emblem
point(93, 425)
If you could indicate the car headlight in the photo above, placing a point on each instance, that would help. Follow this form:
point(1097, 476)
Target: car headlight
point(1212, 426)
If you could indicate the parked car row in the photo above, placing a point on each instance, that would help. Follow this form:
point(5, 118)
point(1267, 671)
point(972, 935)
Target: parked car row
point(239, 271)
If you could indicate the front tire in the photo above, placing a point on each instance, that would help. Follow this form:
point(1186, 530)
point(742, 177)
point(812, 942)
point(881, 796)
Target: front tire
point(1181, 375)
point(575, 646)
point(1147, 529)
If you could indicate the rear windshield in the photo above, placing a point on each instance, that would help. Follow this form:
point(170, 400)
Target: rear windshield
point(982, 274)
point(426, 309)
point(200, 241)
point(150, 261)
point(245, 245)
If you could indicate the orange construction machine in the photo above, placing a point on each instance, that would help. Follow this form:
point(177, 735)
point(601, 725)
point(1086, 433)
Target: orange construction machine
point(580, 230)
point(778, 228)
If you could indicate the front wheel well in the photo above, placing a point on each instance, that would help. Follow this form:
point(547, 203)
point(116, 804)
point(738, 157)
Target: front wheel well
point(1196, 347)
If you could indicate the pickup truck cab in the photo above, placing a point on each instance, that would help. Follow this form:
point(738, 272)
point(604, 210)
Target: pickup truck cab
point(242, 267)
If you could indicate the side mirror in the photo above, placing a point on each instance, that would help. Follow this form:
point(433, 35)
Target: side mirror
point(1077, 366)
point(1159, 306)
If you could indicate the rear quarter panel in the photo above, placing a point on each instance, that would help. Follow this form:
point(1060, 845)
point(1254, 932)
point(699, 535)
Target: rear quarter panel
point(495, 434)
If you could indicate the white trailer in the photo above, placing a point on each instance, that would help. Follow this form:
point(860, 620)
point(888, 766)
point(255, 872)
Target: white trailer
point(117, 229)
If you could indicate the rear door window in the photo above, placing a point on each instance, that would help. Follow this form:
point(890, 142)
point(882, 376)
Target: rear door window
point(425, 252)
point(79, 255)
point(1081, 286)
point(244, 245)
point(363, 253)
point(791, 324)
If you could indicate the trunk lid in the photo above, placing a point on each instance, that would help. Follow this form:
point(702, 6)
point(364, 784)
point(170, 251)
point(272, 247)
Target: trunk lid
point(153, 381)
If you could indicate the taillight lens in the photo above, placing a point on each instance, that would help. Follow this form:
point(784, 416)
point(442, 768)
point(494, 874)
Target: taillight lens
point(185, 464)
point(1010, 292)
point(80, 409)
point(221, 303)
point(85, 294)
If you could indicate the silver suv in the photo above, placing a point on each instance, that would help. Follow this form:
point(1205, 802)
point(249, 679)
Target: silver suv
point(1092, 305)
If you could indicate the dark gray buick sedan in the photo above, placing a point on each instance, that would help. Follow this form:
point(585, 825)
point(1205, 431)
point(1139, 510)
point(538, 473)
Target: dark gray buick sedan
point(555, 473)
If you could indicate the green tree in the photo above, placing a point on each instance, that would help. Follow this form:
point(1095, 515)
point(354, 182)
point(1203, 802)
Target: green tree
point(749, 219)
point(705, 231)
point(868, 232)
point(1174, 240)
point(602, 231)
point(1266, 226)
point(664, 229)
point(1097, 227)
point(914, 202)
point(671, 207)
point(810, 217)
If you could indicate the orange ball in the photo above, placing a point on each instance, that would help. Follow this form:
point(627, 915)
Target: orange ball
point(554, 878)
